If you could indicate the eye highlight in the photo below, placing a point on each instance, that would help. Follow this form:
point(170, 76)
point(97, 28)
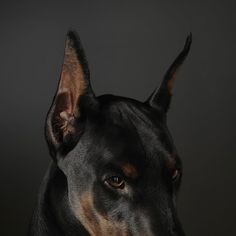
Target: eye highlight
point(116, 182)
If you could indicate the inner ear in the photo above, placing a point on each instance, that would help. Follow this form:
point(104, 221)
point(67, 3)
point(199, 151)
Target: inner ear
point(71, 88)
point(62, 121)
point(63, 117)
point(72, 82)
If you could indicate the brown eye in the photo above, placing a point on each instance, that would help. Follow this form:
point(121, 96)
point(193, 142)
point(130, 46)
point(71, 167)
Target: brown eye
point(175, 175)
point(116, 182)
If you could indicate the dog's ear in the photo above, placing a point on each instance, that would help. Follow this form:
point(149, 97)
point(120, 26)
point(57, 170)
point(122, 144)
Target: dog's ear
point(161, 97)
point(73, 95)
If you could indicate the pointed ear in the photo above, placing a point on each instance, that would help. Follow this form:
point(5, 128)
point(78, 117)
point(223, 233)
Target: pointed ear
point(63, 119)
point(161, 97)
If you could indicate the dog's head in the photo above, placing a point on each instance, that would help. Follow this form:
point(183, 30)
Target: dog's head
point(121, 165)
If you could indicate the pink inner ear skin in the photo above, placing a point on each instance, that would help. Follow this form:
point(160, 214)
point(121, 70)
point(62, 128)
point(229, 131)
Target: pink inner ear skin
point(68, 120)
point(72, 80)
point(64, 119)
point(71, 87)
point(65, 116)
point(73, 84)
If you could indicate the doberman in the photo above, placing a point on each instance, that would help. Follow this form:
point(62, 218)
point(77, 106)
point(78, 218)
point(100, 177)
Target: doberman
point(115, 169)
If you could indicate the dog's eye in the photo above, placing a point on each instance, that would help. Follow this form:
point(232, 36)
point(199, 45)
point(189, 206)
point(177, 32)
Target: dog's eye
point(175, 175)
point(115, 182)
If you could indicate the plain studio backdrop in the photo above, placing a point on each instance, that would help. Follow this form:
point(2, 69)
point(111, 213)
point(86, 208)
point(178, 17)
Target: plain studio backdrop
point(129, 46)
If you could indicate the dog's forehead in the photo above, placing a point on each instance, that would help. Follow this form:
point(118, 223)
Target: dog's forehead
point(129, 128)
point(129, 111)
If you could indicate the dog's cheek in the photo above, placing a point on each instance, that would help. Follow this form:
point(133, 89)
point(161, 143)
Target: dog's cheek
point(104, 199)
point(94, 222)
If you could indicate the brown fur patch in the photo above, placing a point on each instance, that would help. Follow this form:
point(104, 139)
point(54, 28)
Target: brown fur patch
point(170, 83)
point(97, 224)
point(130, 170)
point(88, 215)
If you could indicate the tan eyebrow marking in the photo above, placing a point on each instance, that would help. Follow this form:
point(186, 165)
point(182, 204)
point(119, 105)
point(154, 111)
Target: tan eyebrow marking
point(129, 170)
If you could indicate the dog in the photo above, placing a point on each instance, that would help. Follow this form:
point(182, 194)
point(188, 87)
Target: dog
point(115, 168)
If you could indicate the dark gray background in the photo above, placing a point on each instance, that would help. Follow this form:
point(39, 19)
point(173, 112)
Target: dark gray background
point(129, 45)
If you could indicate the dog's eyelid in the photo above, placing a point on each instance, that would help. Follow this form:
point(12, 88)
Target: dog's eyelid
point(115, 181)
point(111, 174)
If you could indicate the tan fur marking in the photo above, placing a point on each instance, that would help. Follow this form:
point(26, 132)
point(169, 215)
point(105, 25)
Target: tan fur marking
point(129, 170)
point(88, 215)
point(170, 83)
point(95, 223)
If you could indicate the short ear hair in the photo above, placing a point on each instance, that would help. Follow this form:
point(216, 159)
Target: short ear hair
point(161, 97)
point(62, 124)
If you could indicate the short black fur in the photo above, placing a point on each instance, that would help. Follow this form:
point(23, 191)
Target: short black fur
point(113, 138)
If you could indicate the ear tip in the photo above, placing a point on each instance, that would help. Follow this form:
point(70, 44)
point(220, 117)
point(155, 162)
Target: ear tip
point(71, 33)
point(72, 38)
point(190, 35)
point(188, 42)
